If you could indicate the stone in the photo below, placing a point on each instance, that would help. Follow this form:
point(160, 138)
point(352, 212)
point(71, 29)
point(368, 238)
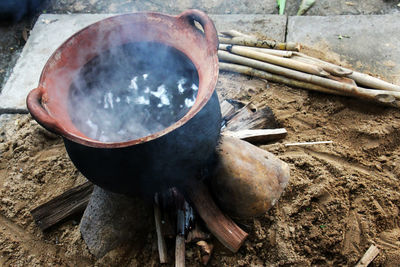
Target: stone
point(111, 220)
point(370, 43)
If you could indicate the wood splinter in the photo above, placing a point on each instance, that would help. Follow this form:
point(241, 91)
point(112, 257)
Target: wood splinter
point(368, 257)
point(259, 135)
point(162, 248)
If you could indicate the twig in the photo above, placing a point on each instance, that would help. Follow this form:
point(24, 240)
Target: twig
point(280, 53)
point(259, 135)
point(309, 143)
point(260, 43)
point(284, 62)
point(162, 248)
point(368, 257)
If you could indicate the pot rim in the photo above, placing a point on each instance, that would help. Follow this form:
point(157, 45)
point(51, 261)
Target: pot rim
point(37, 98)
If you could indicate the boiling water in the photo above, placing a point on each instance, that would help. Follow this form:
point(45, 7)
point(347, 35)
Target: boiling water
point(132, 91)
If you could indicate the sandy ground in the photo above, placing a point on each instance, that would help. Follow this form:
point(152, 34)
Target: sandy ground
point(342, 197)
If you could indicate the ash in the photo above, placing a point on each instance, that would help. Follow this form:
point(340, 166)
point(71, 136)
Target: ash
point(132, 91)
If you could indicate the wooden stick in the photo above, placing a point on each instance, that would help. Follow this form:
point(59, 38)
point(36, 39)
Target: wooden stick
point(260, 43)
point(63, 206)
point(162, 248)
point(180, 239)
point(305, 77)
point(360, 78)
point(335, 70)
point(180, 251)
point(234, 33)
point(257, 136)
point(368, 257)
point(221, 226)
point(384, 97)
point(276, 78)
point(280, 53)
point(309, 143)
point(284, 62)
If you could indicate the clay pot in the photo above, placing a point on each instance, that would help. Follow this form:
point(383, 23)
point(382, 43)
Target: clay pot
point(159, 160)
point(248, 180)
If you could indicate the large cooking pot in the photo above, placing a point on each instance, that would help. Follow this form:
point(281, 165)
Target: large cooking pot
point(170, 157)
point(156, 161)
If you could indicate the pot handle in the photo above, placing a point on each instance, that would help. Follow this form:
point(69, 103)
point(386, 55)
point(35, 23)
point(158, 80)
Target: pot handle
point(210, 32)
point(33, 102)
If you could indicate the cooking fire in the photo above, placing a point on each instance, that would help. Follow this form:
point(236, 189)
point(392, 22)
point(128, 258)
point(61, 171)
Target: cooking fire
point(141, 116)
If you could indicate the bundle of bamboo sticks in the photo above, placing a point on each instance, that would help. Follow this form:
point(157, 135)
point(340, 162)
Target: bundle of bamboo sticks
point(284, 63)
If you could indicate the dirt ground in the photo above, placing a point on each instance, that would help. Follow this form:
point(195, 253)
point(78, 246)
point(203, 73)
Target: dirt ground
point(342, 197)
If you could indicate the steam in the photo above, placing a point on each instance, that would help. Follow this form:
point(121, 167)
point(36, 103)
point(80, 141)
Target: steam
point(132, 91)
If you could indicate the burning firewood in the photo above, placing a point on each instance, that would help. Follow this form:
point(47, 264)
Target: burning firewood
point(248, 180)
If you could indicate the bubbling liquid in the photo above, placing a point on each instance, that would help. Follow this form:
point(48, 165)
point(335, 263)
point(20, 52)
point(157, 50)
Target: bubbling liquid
point(132, 91)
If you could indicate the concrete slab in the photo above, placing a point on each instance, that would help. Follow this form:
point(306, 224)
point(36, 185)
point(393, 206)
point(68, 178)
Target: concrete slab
point(167, 6)
point(48, 33)
point(340, 7)
point(273, 26)
point(51, 30)
point(368, 42)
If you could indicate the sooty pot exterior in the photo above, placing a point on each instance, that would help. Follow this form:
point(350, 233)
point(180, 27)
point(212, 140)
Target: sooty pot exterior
point(158, 164)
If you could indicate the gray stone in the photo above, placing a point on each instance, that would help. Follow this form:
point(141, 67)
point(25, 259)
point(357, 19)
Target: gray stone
point(111, 220)
point(370, 43)
point(51, 30)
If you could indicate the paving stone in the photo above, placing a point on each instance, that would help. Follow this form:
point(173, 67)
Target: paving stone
point(340, 7)
point(51, 30)
point(369, 42)
point(167, 6)
point(272, 26)
point(48, 33)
